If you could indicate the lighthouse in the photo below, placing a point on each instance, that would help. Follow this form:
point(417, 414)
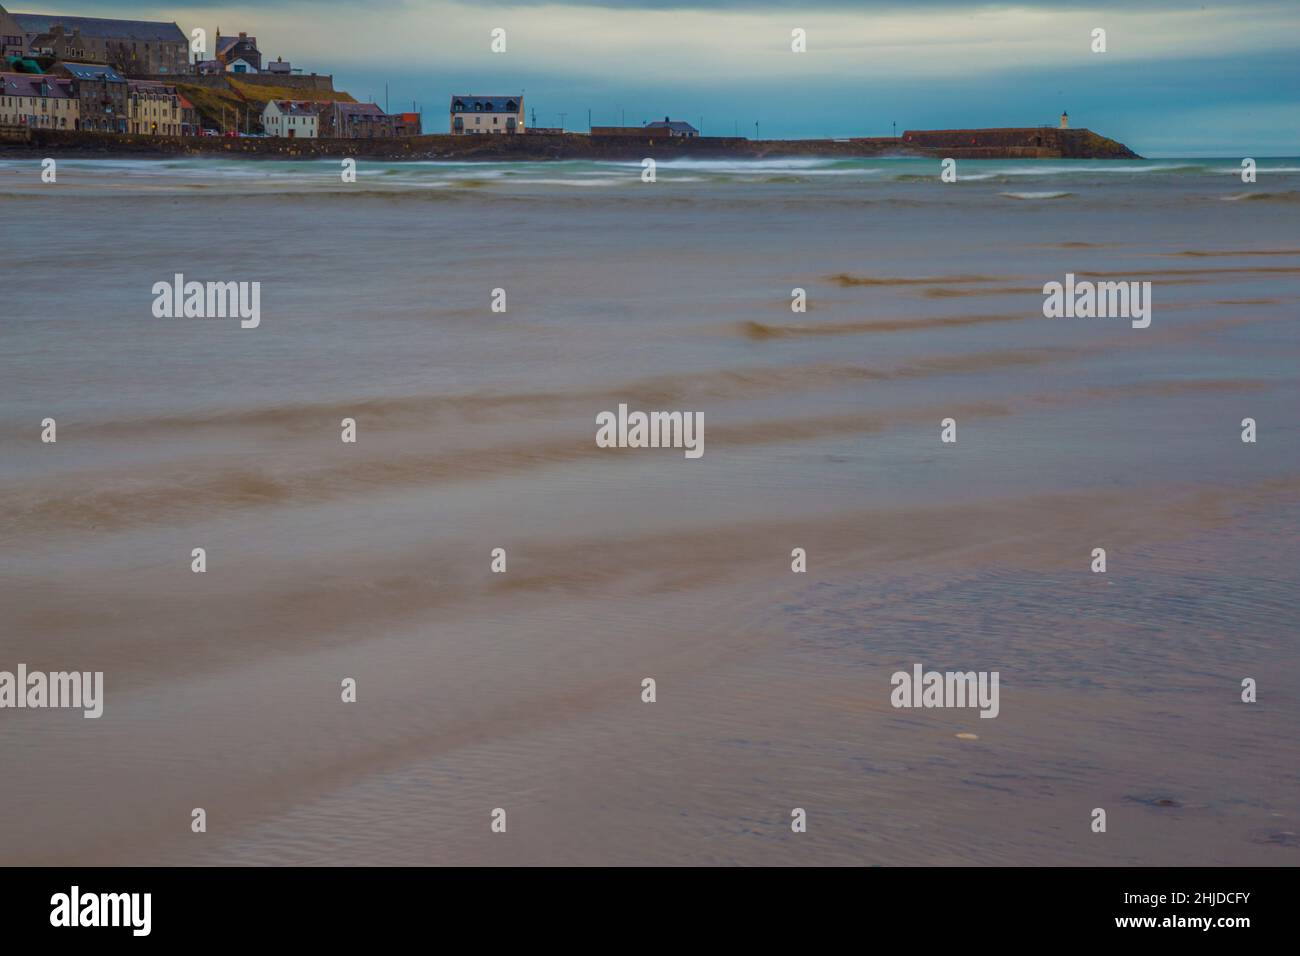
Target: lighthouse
point(1065, 121)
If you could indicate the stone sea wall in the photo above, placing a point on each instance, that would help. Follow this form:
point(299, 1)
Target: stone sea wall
point(971, 144)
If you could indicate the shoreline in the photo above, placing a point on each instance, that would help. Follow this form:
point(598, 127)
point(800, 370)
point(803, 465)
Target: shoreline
point(1015, 143)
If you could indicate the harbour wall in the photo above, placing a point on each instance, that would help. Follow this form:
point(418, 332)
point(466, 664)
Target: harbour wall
point(969, 144)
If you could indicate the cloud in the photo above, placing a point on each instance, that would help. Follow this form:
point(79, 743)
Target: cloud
point(709, 45)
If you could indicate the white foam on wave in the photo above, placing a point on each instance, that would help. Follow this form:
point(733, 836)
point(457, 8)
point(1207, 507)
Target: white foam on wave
point(592, 181)
point(1038, 195)
point(1236, 170)
point(1119, 167)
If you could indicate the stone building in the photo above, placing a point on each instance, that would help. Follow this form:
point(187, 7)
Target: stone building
point(407, 124)
point(190, 124)
point(154, 108)
point(12, 41)
point(665, 129)
point(487, 114)
point(242, 47)
point(355, 121)
point(129, 46)
point(38, 102)
point(101, 94)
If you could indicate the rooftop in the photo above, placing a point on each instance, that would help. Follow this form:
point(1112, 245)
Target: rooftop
point(93, 71)
point(225, 43)
point(486, 104)
point(368, 109)
point(29, 84)
point(299, 107)
point(677, 126)
point(101, 28)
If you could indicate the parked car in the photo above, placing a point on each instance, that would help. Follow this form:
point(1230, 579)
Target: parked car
point(210, 132)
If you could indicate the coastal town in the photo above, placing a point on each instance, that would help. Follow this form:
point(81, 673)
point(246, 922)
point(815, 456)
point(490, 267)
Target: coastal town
point(90, 74)
point(110, 86)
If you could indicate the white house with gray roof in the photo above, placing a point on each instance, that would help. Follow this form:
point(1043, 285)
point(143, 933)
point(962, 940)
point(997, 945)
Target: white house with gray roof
point(486, 115)
point(293, 119)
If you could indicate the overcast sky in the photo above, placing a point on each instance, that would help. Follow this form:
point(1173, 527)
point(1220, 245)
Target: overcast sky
point(1177, 78)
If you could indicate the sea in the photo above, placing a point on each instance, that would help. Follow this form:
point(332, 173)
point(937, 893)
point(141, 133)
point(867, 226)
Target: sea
point(617, 647)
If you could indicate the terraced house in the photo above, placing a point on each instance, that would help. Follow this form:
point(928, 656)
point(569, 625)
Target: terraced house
point(101, 94)
point(40, 102)
point(355, 121)
point(155, 108)
point(129, 46)
point(487, 114)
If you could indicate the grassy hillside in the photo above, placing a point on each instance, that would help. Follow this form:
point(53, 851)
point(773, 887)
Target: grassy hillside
point(224, 109)
point(261, 94)
point(218, 109)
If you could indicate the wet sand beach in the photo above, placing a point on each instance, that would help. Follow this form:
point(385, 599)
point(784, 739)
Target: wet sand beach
point(476, 430)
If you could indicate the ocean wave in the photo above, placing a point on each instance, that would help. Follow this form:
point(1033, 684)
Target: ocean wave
point(1236, 170)
point(959, 292)
point(787, 164)
point(846, 279)
point(1201, 253)
point(762, 330)
point(1290, 195)
point(1040, 195)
